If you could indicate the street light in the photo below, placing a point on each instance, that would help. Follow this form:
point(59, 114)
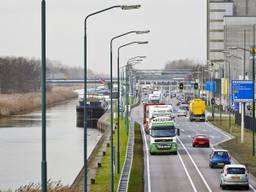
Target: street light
point(135, 60)
point(243, 104)
point(123, 7)
point(131, 62)
point(111, 98)
point(253, 84)
point(43, 92)
point(119, 48)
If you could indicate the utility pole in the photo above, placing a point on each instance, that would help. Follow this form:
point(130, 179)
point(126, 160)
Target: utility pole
point(43, 89)
point(243, 103)
point(253, 90)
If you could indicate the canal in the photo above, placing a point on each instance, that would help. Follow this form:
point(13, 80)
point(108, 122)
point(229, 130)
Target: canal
point(20, 147)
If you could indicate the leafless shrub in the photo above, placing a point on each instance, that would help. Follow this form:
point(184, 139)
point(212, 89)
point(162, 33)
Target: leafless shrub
point(51, 186)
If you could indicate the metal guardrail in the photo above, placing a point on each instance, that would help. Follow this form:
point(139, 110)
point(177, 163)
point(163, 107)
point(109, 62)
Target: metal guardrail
point(124, 180)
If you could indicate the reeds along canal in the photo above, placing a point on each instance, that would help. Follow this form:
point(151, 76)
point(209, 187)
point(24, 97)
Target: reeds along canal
point(20, 146)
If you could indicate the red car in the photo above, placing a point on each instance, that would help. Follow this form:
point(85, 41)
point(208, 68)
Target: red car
point(201, 140)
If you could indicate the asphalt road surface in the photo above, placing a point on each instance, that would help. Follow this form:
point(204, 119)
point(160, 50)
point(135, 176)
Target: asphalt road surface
point(188, 171)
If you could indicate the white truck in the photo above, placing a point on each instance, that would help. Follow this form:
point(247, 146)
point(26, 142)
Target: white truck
point(163, 136)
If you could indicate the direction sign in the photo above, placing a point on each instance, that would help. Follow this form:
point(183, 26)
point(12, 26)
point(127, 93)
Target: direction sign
point(211, 86)
point(242, 90)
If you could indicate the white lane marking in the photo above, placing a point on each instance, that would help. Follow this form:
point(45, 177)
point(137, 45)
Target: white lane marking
point(229, 137)
point(148, 171)
point(252, 187)
point(197, 169)
point(182, 130)
point(222, 141)
point(186, 171)
point(219, 130)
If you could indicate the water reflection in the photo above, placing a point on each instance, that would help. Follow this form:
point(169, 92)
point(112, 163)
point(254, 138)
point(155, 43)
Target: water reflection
point(20, 146)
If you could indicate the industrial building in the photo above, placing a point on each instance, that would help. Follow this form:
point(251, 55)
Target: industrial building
point(230, 30)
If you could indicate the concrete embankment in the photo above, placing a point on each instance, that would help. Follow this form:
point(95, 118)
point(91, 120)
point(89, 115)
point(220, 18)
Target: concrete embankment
point(96, 155)
point(20, 103)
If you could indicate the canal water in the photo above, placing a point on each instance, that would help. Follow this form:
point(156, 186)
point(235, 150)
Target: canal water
point(20, 147)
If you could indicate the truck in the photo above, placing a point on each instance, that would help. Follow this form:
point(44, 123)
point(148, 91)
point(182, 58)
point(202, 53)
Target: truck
point(163, 137)
point(156, 111)
point(154, 98)
point(146, 113)
point(197, 110)
point(160, 110)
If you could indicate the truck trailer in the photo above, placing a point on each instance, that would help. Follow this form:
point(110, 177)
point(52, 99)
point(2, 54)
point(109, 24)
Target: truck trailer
point(197, 110)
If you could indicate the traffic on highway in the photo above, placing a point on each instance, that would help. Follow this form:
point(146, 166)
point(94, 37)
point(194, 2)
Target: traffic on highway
point(182, 149)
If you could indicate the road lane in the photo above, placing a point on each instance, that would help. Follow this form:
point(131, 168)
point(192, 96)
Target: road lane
point(177, 172)
point(167, 172)
point(201, 155)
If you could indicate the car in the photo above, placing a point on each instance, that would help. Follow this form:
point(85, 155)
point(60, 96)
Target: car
point(219, 158)
point(200, 140)
point(182, 111)
point(234, 175)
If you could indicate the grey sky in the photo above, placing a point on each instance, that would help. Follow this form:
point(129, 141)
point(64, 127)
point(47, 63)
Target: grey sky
point(178, 30)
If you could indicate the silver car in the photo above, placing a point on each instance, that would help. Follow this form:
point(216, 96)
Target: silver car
point(234, 175)
point(182, 111)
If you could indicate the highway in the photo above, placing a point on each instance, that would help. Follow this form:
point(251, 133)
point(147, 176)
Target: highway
point(187, 171)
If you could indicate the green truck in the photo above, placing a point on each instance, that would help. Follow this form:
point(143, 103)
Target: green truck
point(163, 137)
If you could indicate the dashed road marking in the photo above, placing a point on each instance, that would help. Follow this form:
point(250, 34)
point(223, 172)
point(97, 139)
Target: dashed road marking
point(186, 171)
point(197, 169)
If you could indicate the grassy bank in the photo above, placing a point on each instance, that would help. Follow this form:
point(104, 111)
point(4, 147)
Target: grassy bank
point(103, 174)
point(13, 104)
point(216, 109)
point(136, 182)
point(241, 152)
point(52, 187)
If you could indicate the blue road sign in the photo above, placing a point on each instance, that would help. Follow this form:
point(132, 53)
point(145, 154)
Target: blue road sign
point(211, 86)
point(242, 90)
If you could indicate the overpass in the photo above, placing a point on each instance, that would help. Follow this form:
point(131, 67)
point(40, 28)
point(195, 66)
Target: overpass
point(78, 81)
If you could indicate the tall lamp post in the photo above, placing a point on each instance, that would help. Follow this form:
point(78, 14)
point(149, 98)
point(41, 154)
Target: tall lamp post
point(252, 51)
point(111, 90)
point(125, 45)
point(43, 91)
point(127, 94)
point(243, 104)
point(123, 7)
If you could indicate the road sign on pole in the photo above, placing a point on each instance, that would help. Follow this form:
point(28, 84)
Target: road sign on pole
point(242, 90)
point(211, 86)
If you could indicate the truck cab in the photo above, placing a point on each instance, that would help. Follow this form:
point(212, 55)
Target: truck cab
point(163, 137)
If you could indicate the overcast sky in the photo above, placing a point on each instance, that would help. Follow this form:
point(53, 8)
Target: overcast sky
point(178, 30)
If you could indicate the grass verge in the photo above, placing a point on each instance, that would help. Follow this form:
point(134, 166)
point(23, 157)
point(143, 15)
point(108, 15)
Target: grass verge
point(240, 151)
point(103, 174)
point(216, 109)
point(136, 182)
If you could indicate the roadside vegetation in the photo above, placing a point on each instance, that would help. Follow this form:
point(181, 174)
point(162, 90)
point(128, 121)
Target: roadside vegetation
point(216, 109)
point(20, 103)
point(136, 182)
point(102, 180)
point(52, 187)
point(241, 152)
